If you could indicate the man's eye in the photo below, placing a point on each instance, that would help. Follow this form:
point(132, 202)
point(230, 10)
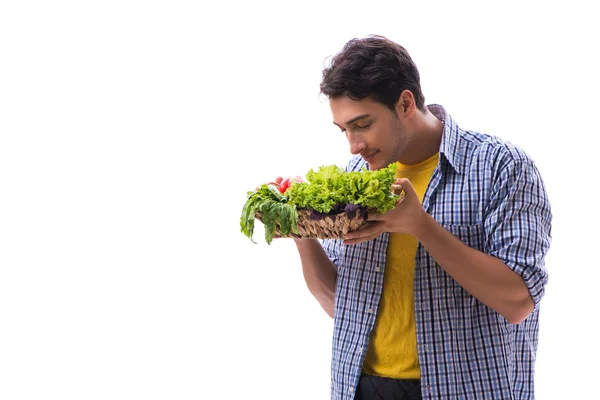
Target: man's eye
point(362, 126)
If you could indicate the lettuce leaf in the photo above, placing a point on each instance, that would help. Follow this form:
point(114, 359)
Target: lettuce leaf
point(331, 185)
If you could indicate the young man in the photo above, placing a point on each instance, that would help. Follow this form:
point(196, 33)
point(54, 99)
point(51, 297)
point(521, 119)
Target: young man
point(439, 297)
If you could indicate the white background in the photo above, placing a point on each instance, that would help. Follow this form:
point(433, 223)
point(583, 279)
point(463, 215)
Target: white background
point(131, 131)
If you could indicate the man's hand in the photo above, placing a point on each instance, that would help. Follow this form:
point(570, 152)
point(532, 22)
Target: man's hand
point(407, 217)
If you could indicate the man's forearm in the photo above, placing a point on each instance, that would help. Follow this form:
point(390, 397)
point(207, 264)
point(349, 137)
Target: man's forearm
point(319, 272)
point(486, 277)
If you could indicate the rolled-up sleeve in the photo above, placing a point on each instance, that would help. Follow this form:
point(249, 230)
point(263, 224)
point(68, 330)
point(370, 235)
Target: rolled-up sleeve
point(332, 249)
point(518, 222)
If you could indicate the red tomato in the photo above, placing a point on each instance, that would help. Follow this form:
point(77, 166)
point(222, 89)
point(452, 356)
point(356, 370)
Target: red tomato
point(284, 185)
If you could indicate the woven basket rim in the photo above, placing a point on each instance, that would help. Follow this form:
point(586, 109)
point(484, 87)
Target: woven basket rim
point(332, 226)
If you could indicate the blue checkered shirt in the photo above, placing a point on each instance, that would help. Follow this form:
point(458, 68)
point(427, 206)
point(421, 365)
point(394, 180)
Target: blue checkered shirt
point(489, 194)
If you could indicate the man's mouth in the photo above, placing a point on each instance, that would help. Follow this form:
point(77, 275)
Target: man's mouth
point(369, 157)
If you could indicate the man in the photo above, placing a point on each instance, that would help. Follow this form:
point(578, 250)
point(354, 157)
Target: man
point(439, 297)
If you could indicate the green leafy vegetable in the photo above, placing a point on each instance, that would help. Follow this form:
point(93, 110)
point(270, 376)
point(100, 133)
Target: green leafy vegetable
point(326, 189)
point(331, 185)
point(273, 207)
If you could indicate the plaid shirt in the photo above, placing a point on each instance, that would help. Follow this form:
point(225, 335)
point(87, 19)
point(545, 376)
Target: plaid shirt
point(489, 194)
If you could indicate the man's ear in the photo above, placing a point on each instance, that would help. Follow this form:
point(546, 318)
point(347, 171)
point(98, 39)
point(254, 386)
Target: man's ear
point(405, 105)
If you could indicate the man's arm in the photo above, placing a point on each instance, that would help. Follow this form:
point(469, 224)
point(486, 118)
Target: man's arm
point(486, 277)
point(319, 272)
point(510, 278)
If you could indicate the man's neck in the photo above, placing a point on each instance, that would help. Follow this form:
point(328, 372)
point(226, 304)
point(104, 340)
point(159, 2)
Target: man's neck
point(425, 140)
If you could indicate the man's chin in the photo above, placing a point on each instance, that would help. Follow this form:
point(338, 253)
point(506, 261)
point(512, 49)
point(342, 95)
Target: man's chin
point(374, 166)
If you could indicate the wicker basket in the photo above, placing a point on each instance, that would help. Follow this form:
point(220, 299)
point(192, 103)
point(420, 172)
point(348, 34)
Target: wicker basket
point(329, 227)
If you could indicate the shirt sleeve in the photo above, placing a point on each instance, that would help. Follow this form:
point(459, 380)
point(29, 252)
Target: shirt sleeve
point(518, 222)
point(332, 249)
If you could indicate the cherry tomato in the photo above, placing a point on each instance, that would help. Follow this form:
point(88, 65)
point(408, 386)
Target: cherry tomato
point(284, 185)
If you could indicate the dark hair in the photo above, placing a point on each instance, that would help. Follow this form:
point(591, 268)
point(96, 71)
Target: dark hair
point(372, 66)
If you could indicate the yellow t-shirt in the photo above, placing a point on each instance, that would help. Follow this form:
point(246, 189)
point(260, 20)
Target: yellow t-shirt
point(392, 351)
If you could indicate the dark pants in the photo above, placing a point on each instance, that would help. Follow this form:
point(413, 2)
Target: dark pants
point(377, 388)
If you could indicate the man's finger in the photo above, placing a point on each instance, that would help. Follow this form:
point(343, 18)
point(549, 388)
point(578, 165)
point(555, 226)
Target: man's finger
point(363, 235)
point(361, 239)
point(374, 216)
point(397, 188)
point(406, 185)
point(369, 230)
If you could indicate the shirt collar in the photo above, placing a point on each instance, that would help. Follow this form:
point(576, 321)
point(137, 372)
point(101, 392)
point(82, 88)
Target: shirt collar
point(451, 146)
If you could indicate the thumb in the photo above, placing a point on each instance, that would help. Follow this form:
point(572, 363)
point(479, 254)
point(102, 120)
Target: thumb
point(405, 184)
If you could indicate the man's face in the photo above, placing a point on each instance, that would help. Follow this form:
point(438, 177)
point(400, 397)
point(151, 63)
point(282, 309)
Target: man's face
point(372, 129)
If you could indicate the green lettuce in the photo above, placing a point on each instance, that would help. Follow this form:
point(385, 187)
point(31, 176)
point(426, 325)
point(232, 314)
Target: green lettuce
point(331, 185)
point(327, 188)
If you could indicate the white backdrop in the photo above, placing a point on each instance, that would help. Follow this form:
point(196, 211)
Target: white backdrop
point(130, 132)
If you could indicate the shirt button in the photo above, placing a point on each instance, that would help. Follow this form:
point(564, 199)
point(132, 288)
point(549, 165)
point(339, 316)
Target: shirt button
point(351, 389)
point(377, 269)
point(370, 311)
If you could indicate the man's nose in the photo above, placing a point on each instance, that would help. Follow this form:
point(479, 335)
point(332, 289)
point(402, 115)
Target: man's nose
point(357, 145)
